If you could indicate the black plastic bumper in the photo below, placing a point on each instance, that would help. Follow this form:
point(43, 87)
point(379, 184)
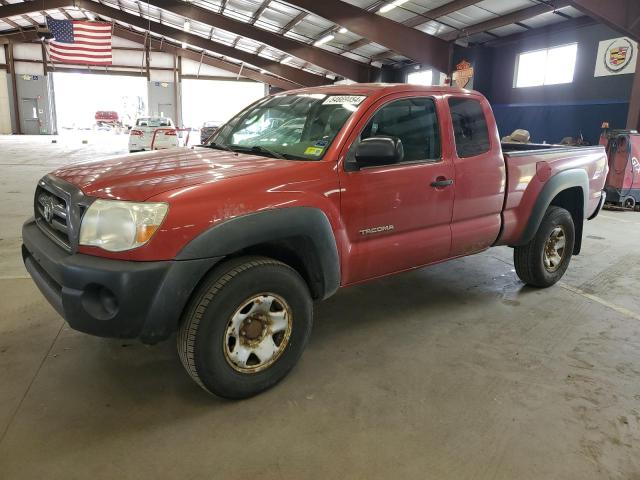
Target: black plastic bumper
point(603, 199)
point(111, 298)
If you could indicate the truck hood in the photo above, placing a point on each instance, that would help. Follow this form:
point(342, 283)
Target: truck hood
point(141, 176)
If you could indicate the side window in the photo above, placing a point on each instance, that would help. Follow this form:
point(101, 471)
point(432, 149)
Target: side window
point(413, 121)
point(469, 126)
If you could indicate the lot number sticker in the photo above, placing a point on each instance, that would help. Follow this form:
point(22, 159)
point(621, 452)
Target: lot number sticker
point(344, 100)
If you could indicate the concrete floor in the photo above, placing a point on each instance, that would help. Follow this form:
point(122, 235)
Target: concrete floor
point(451, 372)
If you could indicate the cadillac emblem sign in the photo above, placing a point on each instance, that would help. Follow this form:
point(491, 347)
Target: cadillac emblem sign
point(619, 54)
point(463, 74)
point(616, 56)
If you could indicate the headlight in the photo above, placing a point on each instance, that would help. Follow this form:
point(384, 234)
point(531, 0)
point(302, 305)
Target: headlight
point(116, 226)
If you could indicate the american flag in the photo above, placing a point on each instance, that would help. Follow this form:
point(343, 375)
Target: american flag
point(80, 42)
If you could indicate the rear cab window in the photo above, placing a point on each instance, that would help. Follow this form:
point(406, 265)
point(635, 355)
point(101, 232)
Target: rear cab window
point(469, 127)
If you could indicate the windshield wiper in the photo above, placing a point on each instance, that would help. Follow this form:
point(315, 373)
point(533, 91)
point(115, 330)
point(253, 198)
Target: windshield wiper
point(219, 146)
point(261, 149)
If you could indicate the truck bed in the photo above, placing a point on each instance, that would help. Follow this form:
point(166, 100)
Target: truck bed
point(528, 170)
point(509, 147)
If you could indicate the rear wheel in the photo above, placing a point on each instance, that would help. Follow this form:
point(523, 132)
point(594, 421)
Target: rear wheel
point(246, 327)
point(629, 202)
point(545, 259)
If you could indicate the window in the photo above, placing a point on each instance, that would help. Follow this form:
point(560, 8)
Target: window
point(546, 67)
point(413, 121)
point(469, 126)
point(424, 77)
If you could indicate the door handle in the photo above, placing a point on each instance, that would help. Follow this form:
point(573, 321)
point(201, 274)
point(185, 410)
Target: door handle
point(442, 182)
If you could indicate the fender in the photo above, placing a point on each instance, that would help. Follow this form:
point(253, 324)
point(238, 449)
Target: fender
point(556, 184)
point(243, 232)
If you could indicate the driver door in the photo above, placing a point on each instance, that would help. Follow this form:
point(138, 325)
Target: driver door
point(396, 216)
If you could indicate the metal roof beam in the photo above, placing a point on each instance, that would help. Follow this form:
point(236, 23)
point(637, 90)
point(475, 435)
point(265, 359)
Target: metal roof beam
point(14, 9)
point(340, 65)
point(621, 15)
point(438, 12)
point(29, 35)
point(292, 74)
point(511, 18)
point(169, 47)
point(407, 41)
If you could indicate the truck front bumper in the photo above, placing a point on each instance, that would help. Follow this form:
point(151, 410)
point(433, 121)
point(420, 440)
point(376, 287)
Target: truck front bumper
point(111, 298)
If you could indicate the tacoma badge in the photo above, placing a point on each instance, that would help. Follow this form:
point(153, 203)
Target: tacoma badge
point(372, 230)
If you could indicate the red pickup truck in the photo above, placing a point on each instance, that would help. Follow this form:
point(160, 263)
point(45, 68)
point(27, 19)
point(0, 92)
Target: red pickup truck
point(302, 193)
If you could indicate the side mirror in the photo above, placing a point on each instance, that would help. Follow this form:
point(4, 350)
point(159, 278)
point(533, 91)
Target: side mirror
point(376, 151)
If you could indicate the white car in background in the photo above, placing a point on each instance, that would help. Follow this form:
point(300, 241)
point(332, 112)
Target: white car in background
point(141, 135)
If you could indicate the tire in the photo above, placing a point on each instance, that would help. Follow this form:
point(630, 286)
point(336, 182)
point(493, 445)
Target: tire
point(530, 260)
point(208, 350)
point(629, 202)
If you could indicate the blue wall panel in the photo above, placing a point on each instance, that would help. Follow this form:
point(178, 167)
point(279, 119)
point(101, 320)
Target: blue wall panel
point(551, 123)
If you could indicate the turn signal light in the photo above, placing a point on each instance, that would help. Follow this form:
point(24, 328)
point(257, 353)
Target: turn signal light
point(170, 133)
point(145, 232)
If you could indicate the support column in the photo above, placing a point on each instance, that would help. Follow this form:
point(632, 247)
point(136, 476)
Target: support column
point(14, 87)
point(633, 120)
point(177, 72)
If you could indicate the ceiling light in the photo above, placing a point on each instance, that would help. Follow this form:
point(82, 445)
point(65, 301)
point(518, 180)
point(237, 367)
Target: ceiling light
point(325, 39)
point(90, 16)
point(390, 6)
point(343, 30)
point(187, 25)
point(184, 45)
point(286, 59)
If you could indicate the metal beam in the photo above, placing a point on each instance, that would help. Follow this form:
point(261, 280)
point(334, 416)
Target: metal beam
point(621, 15)
point(258, 13)
point(412, 22)
point(290, 73)
point(407, 41)
point(438, 12)
point(294, 21)
point(14, 87)
point(168, 47)
point(515, 17)
point(14, 9)
point(633, 120)
point(572, 24)
point(340, 65)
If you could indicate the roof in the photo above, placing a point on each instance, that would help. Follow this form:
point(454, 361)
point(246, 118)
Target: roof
point(375, 88)
point(477, 22)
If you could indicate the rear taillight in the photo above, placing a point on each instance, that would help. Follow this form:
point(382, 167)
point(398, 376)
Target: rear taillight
point(136, 133)
point(170, 133)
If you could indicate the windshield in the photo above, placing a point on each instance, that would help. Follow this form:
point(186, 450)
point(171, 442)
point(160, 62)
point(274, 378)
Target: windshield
point(299, 126)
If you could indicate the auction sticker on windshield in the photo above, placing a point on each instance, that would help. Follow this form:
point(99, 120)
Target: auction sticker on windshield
point(314, 151)
point(344, 100)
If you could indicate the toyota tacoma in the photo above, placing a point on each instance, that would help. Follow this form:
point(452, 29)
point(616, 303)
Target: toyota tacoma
point(304, 192)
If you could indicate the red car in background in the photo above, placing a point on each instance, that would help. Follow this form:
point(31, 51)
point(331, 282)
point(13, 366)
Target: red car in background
point(107, 117)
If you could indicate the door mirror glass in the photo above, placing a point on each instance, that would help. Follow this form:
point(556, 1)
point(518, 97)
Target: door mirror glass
point(376, 151)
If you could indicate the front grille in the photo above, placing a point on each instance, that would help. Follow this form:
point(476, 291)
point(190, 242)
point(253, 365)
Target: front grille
point(52, 216)
point(58, 210)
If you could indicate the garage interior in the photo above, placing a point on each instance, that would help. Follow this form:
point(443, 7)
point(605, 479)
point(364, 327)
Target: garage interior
point(454, 371)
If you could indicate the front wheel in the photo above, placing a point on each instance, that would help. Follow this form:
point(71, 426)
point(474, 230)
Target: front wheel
point(545, 259)
point(246, 327)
